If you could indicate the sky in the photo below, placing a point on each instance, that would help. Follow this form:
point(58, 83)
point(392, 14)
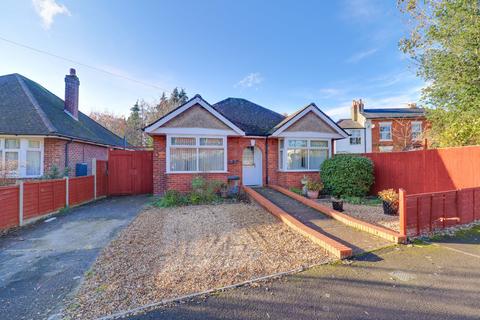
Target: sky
point(279, 54)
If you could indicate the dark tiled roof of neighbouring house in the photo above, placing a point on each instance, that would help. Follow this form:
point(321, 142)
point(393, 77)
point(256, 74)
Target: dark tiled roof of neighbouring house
point(27, 108)
point(349, 124)
point(253, 119)
point(393, 113)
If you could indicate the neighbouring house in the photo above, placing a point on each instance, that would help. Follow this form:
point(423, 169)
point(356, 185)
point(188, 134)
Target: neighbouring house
point(238, 138)
point(38, 130)
point(382, 130)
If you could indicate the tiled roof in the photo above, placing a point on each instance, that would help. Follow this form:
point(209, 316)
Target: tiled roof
point(394, 113)
point(349, 124)
point(253, 119)
point(27, 108)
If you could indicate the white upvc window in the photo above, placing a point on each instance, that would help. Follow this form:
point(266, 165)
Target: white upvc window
point(302, 154)
point(191, 154)
point(385, 131)
point(21, 157)
point(416, 130)
point(355, 136)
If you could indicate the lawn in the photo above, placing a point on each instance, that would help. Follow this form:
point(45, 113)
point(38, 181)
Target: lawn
point(170, 252)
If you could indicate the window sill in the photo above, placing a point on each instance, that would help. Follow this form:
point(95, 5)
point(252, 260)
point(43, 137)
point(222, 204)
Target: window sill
point(194, 172)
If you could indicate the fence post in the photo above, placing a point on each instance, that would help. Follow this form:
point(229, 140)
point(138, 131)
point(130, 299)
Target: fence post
point(94, 173)
point(20, 202)
point(402, 211)
point(66, 191)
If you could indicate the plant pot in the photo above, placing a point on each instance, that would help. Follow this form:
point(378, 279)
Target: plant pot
point(337, 205)
point(312, 194)
point(389, 208)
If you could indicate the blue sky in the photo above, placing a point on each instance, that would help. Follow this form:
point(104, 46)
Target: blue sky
point(279, 54)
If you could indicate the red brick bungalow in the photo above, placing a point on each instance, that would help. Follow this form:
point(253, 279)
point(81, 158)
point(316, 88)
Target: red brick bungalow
point(236, 137)
point(38, 130)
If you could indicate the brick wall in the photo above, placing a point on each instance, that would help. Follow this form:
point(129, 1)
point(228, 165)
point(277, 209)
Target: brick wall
point(400, 134)
point(77, 153)
point(235, 146)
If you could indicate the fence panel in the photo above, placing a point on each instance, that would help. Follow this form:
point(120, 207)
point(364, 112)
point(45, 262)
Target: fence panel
point(425, 171)
point(42, 197)
point(80, 190)
point(102, 179)
point(434, 211)
point(9, 200)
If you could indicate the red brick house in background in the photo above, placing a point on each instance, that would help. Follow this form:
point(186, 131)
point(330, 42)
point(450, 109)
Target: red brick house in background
point(38, 130)
point(383, 129)
point(238, 138)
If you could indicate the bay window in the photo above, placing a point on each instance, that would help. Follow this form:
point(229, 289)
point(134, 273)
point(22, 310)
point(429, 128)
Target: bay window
point(21, 158)
point(302, 154)
point(196, 154)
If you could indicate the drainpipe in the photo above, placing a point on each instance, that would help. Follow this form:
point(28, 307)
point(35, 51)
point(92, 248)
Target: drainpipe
point(365, 139)
point(266, 160)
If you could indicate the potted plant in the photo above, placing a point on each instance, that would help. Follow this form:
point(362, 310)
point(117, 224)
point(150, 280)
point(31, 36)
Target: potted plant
point(390, 201)
point(313, 188)
point(337, 204)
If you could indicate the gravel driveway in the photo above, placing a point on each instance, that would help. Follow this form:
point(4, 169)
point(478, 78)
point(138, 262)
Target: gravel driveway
point(167, 253)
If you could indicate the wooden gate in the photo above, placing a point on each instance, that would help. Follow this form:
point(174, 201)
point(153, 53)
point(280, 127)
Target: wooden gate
point(130, 172)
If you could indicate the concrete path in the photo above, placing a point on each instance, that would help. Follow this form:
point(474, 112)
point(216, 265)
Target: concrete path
point(358, 240)
point(428, 282)
point(42, 264)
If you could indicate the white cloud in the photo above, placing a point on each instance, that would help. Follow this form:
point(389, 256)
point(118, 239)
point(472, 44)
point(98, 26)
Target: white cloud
point(251, 80)
point(48, 9)
point(361, 55)
point(361, 10)
point(330, 92)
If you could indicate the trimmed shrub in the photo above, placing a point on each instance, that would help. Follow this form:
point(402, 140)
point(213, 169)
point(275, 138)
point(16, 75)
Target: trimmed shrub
point(347, 175)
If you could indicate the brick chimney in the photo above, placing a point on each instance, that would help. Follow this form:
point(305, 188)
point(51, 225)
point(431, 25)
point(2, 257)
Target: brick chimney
point(357, 107)
point(412, 105)
point(72, 85)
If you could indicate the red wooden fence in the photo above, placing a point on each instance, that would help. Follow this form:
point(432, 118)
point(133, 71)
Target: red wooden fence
point(102, 179)
point(429, 212)
point(80, 190)
point(427, 170)
point(130, 172)
point(9, 207)
point(42, 197)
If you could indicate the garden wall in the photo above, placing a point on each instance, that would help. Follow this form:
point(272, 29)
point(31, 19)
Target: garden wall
point(427, 170)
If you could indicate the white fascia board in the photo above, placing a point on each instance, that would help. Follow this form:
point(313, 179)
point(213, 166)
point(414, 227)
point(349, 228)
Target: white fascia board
point(310, 134)
point(194, 132)
point(152, 129)
point(312, 108)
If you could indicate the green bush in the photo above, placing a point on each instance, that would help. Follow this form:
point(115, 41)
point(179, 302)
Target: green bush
point(171, 198)
point(296, 190)
point(347, 175)
point(368, 201)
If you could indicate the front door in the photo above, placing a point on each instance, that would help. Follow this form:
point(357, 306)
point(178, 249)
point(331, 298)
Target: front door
point(252, 166)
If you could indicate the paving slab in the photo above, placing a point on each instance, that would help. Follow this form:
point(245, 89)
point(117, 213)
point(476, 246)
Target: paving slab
point(42, 264)
point(427, 282)
point(359, 241)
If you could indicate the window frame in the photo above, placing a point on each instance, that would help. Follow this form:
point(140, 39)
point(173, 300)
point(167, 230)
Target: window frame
point(22, 155)
point(285, 149)
point(380, 130)
point(421, 130)
point(358, 138)
point(197, 146)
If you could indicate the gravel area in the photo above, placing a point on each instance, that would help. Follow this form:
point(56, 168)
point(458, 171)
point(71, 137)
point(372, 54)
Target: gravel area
point(370, 213)
point(167, 253)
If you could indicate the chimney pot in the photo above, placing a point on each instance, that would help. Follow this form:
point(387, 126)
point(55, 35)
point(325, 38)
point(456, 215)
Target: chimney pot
point(72, 84)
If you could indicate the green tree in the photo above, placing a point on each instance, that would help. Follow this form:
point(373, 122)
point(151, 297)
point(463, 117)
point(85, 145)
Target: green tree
point(444, 43)
point(133, 132)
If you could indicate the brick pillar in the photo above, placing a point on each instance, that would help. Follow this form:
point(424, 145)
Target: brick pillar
point(159, 165)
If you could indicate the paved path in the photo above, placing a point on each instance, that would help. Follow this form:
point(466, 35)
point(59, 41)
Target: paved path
point(431, 282)
point(41, 264)
point(358, 240)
